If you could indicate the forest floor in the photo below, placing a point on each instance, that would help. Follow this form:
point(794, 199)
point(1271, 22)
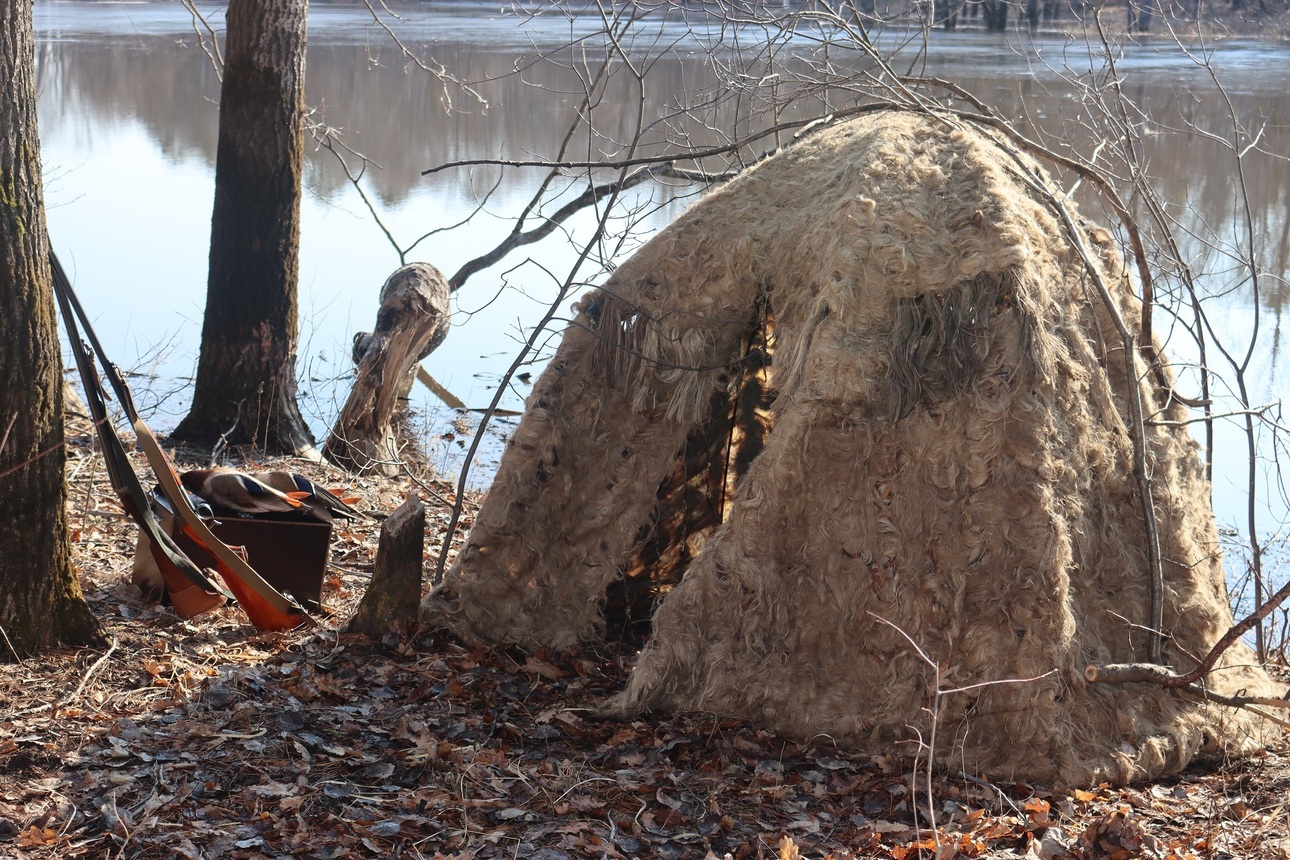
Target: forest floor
point(208, 739)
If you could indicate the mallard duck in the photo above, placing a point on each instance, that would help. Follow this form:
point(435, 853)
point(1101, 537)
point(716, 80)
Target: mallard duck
point(239, 492)
point(323, 503)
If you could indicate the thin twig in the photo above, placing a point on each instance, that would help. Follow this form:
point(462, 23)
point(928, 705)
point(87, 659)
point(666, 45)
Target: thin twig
point(1167, 677)
point(222, 442)
point(13, 650)
point(98, 664)
point(1131, 673)
point(591, 196)
point(423, 485)
point(657, 160)
point(34, 457)
point(211, 48)
point(4, 440)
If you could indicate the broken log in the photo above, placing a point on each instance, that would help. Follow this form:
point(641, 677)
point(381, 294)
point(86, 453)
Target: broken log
point(411, 323)
point(394, 594)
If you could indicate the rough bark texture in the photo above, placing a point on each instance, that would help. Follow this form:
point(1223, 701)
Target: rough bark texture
point(412, 321)
point(949, 463)
point(392, 597)
point(40, 598)
point(246, 375)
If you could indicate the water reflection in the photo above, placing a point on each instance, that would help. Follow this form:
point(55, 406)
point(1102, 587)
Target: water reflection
point(129, 122)
point(384, 107)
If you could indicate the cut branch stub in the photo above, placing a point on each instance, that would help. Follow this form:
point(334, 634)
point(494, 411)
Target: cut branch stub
point(393, 595)
point(411, 323)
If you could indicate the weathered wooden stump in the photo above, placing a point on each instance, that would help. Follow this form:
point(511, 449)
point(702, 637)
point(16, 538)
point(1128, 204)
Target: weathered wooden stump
point(394, 594)
point(411, 323)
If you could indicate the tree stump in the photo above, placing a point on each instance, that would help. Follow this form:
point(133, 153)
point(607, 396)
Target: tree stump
point(411, 323)
point(393, 596)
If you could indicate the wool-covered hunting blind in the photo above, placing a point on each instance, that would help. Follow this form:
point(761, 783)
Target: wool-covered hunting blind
point(947, 465)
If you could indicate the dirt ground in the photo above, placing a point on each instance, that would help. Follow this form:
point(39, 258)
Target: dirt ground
point(207, 739)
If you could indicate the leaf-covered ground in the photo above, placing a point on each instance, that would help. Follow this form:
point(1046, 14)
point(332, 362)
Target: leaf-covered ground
point(206, 739)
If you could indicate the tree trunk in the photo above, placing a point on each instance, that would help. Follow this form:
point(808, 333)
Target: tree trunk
point(246, 375)
point(411, 322)
point(995, 13)
point(1139, 14)
point(40, 598)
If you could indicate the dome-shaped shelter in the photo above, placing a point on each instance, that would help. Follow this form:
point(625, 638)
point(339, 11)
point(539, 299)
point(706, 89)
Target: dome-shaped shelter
point(948, 465)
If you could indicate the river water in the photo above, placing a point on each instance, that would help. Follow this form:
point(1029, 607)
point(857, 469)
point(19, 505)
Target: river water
point(128, 114)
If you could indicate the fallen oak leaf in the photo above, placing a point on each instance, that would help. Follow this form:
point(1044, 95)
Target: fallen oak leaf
point(890, 828)
point(991, 829)
point(378, 770)
point(35, 837)
point(913, 849)
point(1037, 811)
point(550, 671)
point(1119, 836)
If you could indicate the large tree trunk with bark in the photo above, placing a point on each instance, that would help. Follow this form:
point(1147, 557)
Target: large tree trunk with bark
point(246, 375)
point(40, 598)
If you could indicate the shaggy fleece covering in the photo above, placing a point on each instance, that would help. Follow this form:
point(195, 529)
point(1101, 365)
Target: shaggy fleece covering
point(949, 470)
